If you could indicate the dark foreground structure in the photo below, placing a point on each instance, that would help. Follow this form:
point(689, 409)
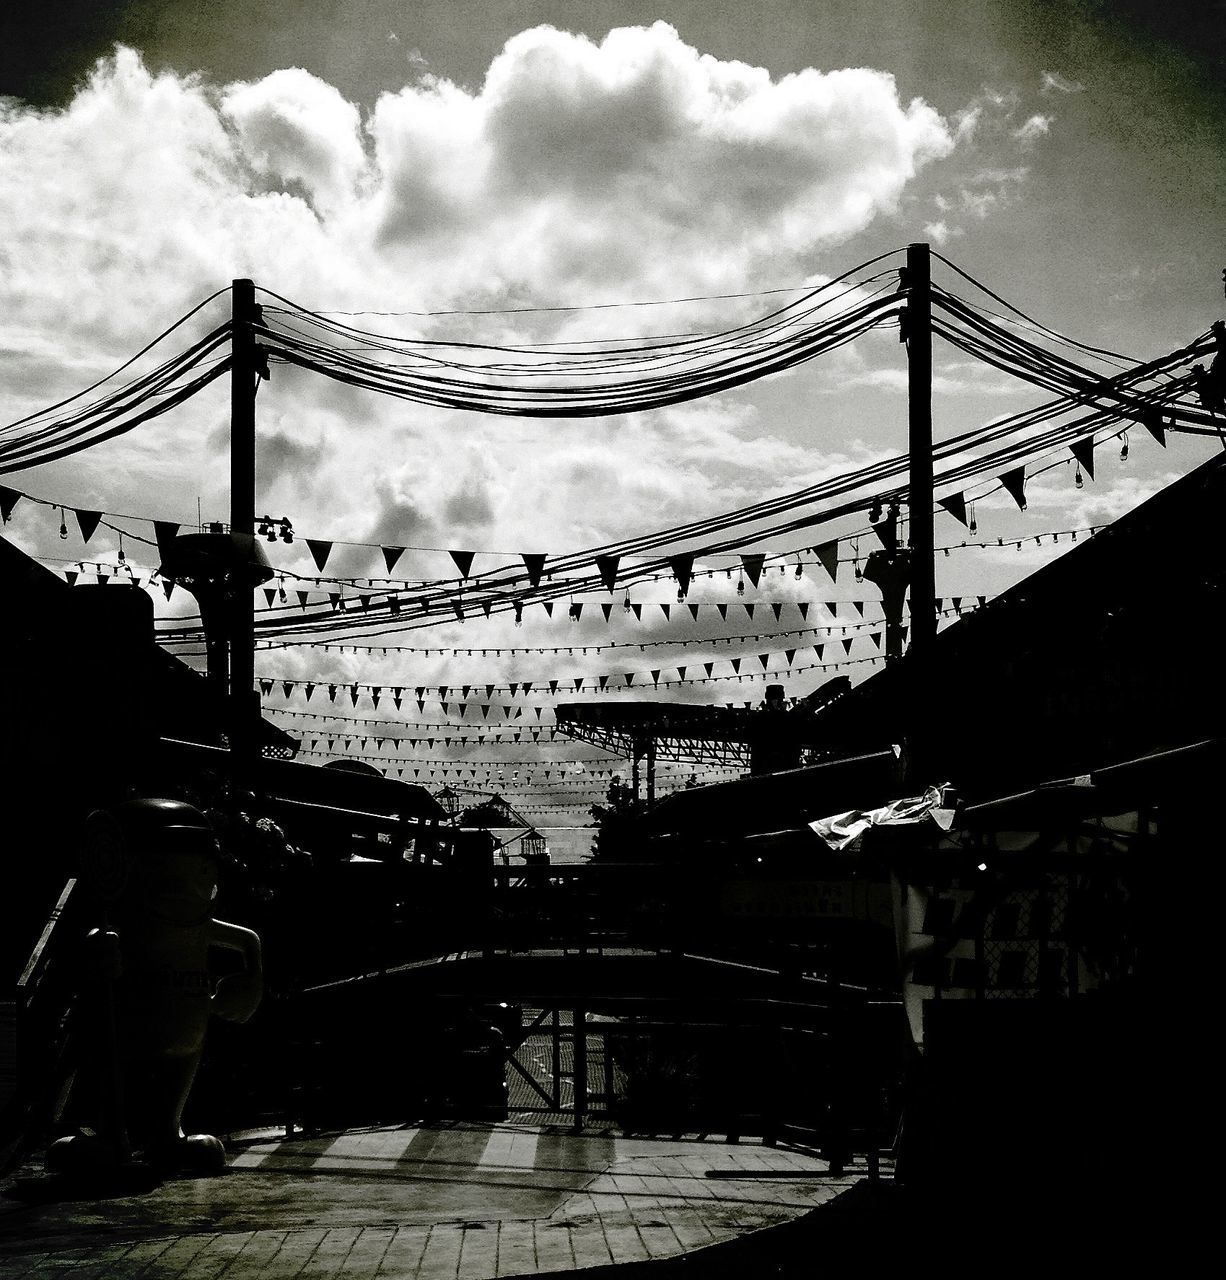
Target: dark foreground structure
point(1012, 1007)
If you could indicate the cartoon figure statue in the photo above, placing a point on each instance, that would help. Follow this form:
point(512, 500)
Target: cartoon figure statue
point(154, 863)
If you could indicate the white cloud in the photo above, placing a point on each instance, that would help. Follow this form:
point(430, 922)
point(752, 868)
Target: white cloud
point(1054, 82)
point(633, 167)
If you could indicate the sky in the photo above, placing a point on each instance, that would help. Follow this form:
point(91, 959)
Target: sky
point(365, 155)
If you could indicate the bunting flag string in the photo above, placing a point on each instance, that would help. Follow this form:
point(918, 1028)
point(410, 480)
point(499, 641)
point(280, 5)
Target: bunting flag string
point(552, 686)
point(602, 683)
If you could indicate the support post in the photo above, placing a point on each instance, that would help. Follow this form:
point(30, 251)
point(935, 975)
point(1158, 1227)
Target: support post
point(920, 539)
point(244, 700)
point(579, 1079)
point(651, 770)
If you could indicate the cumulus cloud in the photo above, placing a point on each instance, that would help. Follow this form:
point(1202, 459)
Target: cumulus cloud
point(634, 166)
point(583, 170)
point(1054, 82)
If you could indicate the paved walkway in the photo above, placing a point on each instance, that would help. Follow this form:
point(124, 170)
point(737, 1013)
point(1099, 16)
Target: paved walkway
point(454, 1202)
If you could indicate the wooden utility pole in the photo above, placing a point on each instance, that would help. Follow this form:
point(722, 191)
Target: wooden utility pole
point(244, 701)
point(920, 539)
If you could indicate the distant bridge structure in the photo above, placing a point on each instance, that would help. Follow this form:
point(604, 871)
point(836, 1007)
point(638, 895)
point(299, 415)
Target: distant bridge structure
point(755, 740)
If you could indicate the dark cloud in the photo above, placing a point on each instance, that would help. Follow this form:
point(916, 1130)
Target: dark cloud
point(282, 458)
point(469, 507)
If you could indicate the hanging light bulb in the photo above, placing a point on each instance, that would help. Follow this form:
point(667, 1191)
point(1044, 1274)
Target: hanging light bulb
point(740, 586)
point(874, 512)
point(626, 603)
point(1077, 480)
point(800, 572)
point(122, 558)
point(519, 613)
point(63, 525)
point(281, 593)
point(974, 523)
point(1124, 447)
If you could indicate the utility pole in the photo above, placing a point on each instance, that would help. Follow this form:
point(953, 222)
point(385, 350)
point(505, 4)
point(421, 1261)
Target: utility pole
point(918, 319)
point(244, 701)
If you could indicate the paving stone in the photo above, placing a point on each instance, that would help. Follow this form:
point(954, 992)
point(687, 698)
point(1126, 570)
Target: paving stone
point(440, 1259)
point(402, 1259)
point(479, 1251)
point(554, 1251)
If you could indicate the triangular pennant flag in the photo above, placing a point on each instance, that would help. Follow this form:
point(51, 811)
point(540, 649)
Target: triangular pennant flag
point(629, 678)
point(789, 654)
point(655, 677)
point(302, 598)
point(459, 609)
point(683, 569)
point(1151, 420)
point(265, 687)
point(168, 587)
point(693, 608)
point(548, 607)
point(364, 600)
point(88, 520)
point(607, 566)
point(287, 687)
point(576, 611)
point(736, 665)
point(270, 594)
point(748, 610)
point(776, 609)
point(103, 579)
point(463, 561)
point(637, 610)
point(753, 566)
point(723, 611)
point(764, 658)
point(553, 686)
point(70, 577)
point(165, 531)
point(8, 500)
point(859, 604)
point(681, 672)
point(955, 504)
point(535, 565)
point(803, 606)
point(1083, 451)
point(310, 689)
point(876, 636)
point(828, 554)
point(320, 551)
point(391, 555)
point(578, 683)
point(666, 610)
point(604, 680)
point(708, 667)
point(606, 609)
point(847, 646)
point(1015, 483)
